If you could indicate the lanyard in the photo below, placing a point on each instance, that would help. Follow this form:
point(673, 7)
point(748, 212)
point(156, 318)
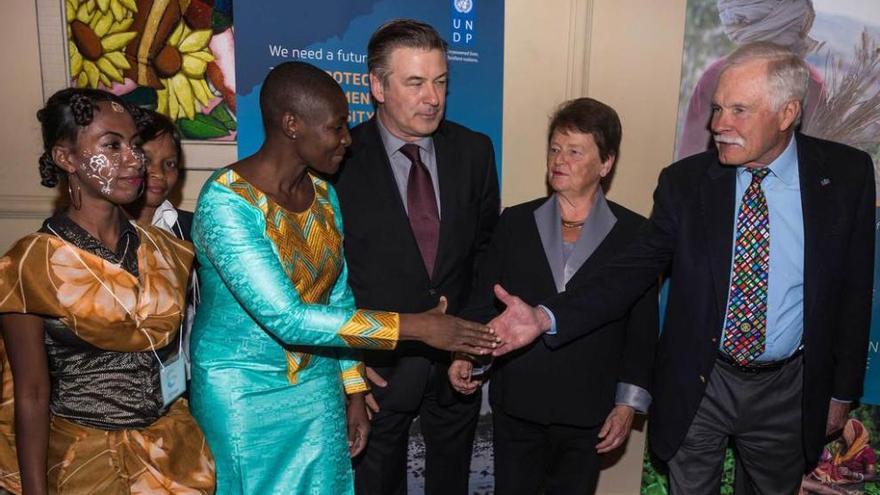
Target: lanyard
point(128, 311)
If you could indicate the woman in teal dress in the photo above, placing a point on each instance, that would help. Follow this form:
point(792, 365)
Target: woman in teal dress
point(272, 340)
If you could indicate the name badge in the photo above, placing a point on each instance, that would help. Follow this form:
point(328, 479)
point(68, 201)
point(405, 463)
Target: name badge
point(173, 380)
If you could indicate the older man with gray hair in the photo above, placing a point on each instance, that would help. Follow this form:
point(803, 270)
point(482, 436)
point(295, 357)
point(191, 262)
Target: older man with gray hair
point(783, 22)
point(769, 240)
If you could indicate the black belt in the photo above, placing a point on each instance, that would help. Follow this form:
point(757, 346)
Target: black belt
point(759, 366)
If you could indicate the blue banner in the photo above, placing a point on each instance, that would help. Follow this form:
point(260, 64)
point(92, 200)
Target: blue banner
point(872, 373)
point(333, 35)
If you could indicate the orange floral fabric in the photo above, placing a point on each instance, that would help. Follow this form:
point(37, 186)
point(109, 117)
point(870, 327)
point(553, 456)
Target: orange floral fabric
point(113, 310)
point(170, 457)
point(99, 301)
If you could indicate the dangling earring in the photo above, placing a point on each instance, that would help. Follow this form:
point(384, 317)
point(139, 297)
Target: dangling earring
point(75, 198)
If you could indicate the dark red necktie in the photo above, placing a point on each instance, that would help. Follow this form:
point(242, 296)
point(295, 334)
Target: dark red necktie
point(421, 205)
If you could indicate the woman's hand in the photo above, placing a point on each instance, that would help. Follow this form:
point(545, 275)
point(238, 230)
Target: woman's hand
point(358, 423)
point(616, 428)
point(448, 333)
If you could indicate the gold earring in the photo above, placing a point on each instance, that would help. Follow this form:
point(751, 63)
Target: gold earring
point(75, 198)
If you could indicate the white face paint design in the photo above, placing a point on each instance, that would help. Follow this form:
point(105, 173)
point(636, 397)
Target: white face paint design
point(100, 169)
point(140, 157)
point(116, 107)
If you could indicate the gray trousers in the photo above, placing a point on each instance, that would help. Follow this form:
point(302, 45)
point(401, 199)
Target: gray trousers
point(761, 414)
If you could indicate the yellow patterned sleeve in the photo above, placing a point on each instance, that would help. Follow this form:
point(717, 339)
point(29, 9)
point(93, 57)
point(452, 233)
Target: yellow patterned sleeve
point(368, 329)
point(354, 377)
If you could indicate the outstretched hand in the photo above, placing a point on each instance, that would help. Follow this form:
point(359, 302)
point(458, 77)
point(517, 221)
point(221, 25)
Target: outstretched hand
point(448, 333)
point(519, 324)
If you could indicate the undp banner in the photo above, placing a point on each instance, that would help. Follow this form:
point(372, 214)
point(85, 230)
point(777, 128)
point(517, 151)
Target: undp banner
point(333, 35)
point(872, 373)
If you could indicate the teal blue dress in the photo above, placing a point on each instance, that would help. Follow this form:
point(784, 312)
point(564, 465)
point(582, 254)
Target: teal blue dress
point(271, 339)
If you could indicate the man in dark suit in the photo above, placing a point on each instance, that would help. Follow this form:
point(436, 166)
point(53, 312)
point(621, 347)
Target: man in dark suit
point(769, 239)
point(419, 198)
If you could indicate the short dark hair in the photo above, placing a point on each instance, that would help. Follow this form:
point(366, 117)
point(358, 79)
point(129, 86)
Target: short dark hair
point(397, 33)
point(65, 114)
point(298, 88)
point(593, 117)
point(152, 125)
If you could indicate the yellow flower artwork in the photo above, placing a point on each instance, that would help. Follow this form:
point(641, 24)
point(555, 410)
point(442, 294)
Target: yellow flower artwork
point(96, 43)
point(181, 67)
point(173, 56)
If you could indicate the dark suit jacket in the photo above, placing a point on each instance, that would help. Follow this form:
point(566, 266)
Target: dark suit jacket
point(691, 231)
point(385, 266)
point(184, 220)
point(573, 384)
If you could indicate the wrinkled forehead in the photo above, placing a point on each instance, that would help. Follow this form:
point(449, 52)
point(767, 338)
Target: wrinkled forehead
point(749, 79)
point(424, 62)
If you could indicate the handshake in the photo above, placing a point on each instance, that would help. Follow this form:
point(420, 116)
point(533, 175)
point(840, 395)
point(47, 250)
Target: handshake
point(519, 325)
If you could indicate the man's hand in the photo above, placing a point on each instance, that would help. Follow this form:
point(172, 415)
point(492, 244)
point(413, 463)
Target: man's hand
point(358, 423)
point(519, 324)
point(616, 428)
point(376, 379)
point(460, 377)
point(838, 412)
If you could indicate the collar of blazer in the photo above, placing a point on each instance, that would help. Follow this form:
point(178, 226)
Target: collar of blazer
point(596, 227)
point(718, 203)
point(448, 165)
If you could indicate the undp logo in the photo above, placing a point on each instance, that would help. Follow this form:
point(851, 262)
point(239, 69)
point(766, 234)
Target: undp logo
point(463, 6)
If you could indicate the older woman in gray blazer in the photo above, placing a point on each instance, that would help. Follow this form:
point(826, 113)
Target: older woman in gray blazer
point(556, 410)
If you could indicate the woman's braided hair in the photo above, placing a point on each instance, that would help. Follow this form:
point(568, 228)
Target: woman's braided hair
point(66, 112)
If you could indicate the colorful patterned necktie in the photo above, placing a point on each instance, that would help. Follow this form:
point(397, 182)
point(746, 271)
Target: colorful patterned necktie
point(745, 326)
point(421, 205)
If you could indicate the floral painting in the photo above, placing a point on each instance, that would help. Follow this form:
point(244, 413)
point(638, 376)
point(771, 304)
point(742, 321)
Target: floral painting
point(173, 56)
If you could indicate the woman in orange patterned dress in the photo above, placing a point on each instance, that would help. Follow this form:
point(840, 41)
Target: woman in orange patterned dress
point(91, 307)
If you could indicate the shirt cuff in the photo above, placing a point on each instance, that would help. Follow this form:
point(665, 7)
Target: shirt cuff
point(841, 401)
point(549, 314)
point(633, 396)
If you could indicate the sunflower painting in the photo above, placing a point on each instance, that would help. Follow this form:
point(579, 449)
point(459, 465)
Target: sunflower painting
point(173, 56)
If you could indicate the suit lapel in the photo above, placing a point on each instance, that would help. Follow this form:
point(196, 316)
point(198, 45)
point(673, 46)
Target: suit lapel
point(550, 231)
point(816, 190)
point(444, 154)
point(718, 205)
point(386, 184)
point(596, 229)
point(383, 175)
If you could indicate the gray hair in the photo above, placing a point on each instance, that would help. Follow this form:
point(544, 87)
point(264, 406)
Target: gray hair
point(787, 73)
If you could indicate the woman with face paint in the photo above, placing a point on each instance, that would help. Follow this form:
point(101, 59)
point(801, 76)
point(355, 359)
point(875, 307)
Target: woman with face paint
point(90, 307)
point(272, 341)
